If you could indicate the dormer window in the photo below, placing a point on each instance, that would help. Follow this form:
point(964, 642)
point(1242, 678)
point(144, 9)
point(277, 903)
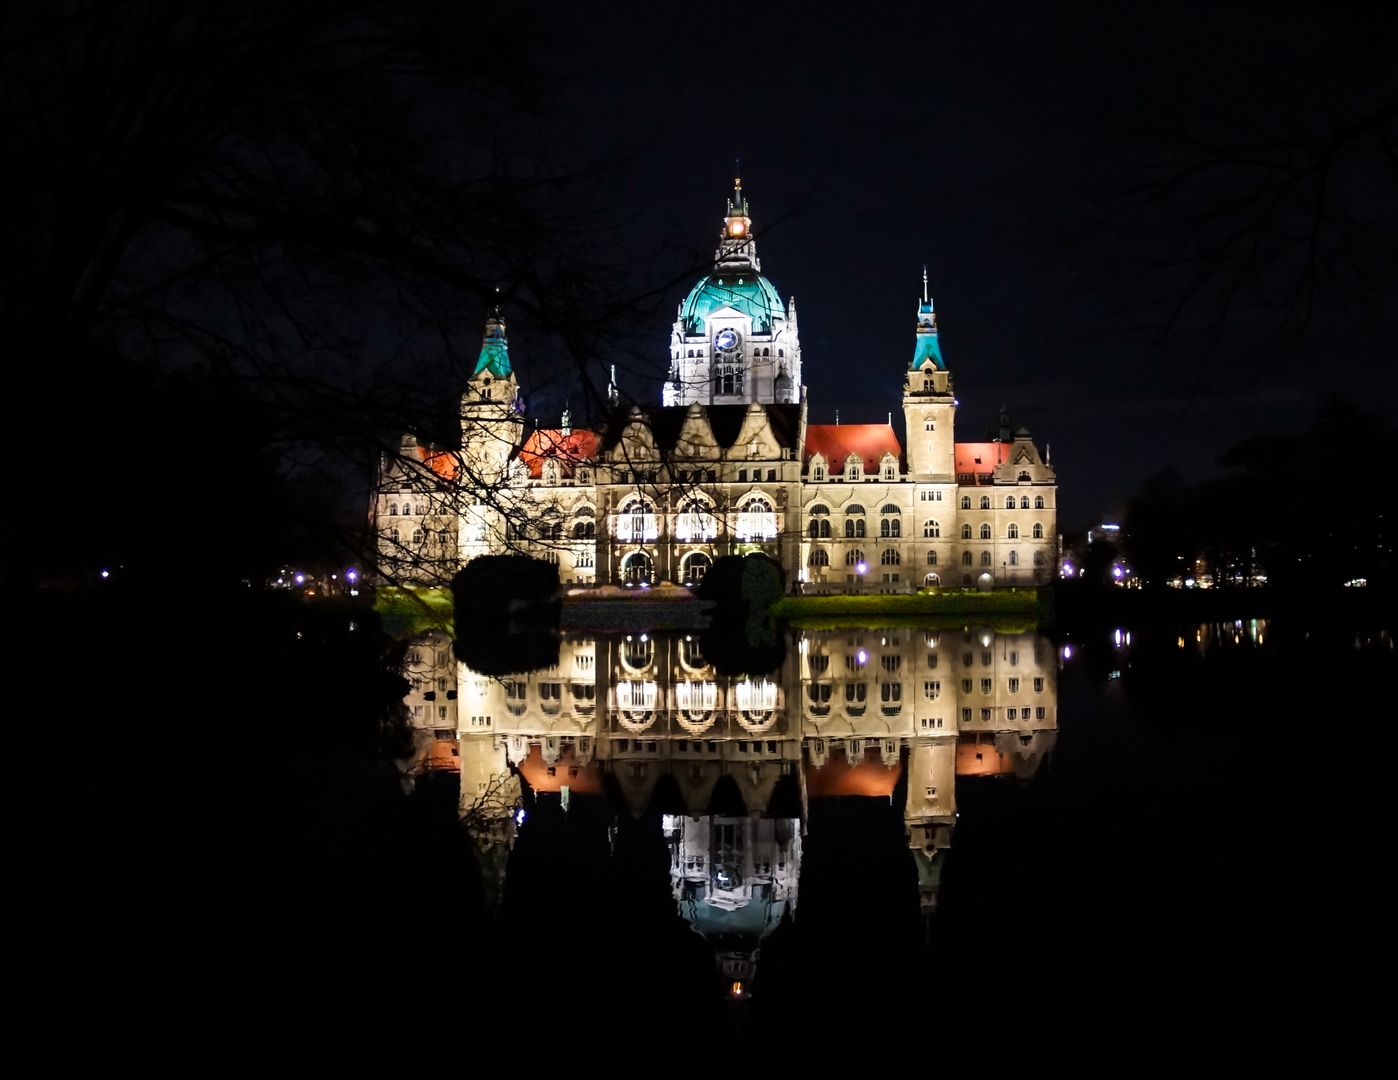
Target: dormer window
point(854, 467)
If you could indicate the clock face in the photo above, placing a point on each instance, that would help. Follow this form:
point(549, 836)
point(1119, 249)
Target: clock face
point(726, 340)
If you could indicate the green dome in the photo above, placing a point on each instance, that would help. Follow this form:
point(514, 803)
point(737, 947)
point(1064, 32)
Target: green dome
point(752, 294)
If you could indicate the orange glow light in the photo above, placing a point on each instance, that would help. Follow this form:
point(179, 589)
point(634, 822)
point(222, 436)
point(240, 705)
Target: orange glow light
point(736, 229)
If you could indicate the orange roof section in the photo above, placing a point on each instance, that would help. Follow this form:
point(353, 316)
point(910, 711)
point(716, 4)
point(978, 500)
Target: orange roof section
point(975, 758)
point(980, 457)
point(836, 442)
point(836, 777)
point(442, 462)
point(578, 446)
point(567, 772)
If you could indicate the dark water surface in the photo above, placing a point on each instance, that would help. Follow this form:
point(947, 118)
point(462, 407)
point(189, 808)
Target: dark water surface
point(975, 840)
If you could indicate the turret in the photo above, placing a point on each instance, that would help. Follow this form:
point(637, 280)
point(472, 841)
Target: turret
point(929, 403)
point(492, 420)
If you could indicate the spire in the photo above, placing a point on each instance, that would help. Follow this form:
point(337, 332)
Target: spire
point(928, 347)
point(495, 349)
point(736, 252)
point(566, 423)
point(613, 394)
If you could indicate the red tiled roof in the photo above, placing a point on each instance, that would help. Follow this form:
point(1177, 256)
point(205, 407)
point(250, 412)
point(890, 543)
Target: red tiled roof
point(980, 457)
point(572, 449)
point(837, 441)
point(442, 462)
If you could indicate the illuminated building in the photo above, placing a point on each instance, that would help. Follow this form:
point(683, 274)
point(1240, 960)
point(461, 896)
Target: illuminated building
point(727, 464)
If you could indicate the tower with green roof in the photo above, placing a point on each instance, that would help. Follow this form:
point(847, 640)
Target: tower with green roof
point(492, 418)
point(929, 401)
point(734, 341)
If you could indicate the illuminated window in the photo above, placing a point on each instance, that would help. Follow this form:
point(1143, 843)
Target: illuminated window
point(820, 557)
point(854, 557)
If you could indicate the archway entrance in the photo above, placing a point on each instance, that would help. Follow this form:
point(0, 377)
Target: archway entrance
point(696, 565)
point(637, 569)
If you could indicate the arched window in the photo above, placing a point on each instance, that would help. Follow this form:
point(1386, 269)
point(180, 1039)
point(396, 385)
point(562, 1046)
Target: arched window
point(965, 502)
point(965, 532)
point(1024, 477)
point(985, 558)
point(890, 523)
point(1013, 532)
point(854, 467)
point(393, 509)
point(393, 534)
point(443, 537)
point(890, 557)
point(556, 531)
point(931, 529)
point(931, 558)
point(1014, 558)
point(985, 532)
point(854, 557)
point(819, 557)
point(1009, 502)
point(417, 536)
point(820, 522)
point(1038, 502)
point(696, 565)
point(854, 521)
point(932, 579)
point(890, 471)
point(637, 568)
point(985, 502)
point(1038, 531)
point(965, 558)
point(584, 530)
point(1024, 502)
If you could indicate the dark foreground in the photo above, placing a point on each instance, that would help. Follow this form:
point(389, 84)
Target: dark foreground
point(213, 863)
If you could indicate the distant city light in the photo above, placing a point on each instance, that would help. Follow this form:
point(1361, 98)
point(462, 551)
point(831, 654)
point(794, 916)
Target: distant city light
point(1118, 572)
point(520, 815)
point(862, 656)
point(351, 575)
point(106, 574)
point(860, 568)
point(1067, 569)
point(300, 579)
point(1067, 652)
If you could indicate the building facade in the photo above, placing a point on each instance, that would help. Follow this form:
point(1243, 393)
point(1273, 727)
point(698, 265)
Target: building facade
point(726, 464)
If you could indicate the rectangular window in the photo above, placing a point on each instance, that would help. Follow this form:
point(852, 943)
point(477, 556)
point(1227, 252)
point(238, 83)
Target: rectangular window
point(965, 686)
point(1039, 685)
point(771, 476)
point(931, 690)
point(1014, 686)
point(985, 686)
point(742, 476)
point(1011, 714)
point(985, 715)
point(965, 716)
point(931, 660)
point(1039, 712)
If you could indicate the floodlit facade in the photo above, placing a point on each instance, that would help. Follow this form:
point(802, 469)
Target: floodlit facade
point(726, 464)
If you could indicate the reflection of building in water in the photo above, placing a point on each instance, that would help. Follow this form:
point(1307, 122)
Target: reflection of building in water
point(734, 878)
point(961, 703)
point(647, 719)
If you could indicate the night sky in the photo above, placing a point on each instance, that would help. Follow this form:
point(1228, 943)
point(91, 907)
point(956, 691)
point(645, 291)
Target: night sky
point(1026, 153)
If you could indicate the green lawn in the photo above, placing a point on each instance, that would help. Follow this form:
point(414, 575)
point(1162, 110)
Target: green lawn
point(1023, 603)
point(408, 610)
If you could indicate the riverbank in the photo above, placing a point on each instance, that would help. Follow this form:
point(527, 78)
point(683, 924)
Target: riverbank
point(1030, 605)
